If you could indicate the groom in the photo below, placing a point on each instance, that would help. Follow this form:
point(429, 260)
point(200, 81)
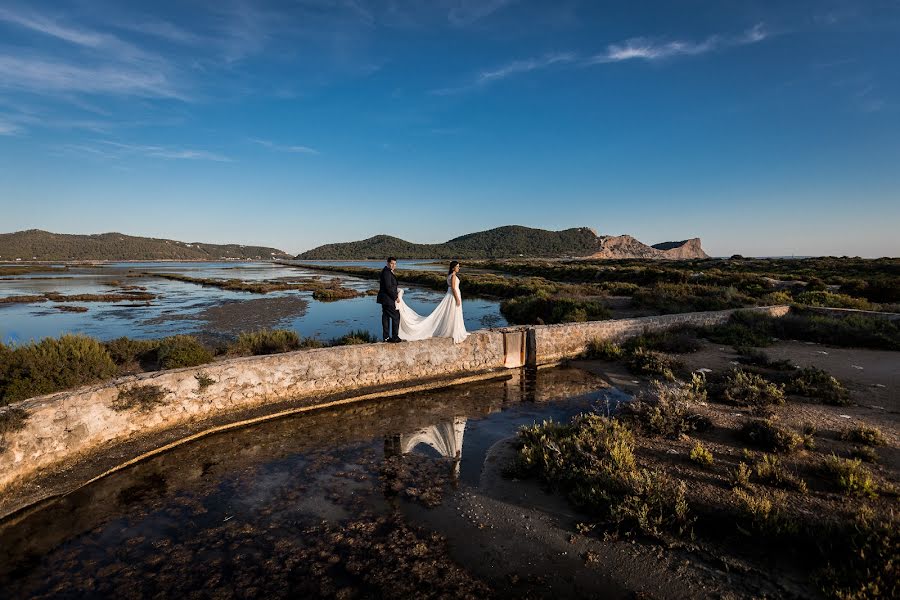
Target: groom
point(387, 298)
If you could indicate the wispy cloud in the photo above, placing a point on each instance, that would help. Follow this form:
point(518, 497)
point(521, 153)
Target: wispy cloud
point(524, 66)
point(165, 152)
point(8, 128)
point(467, 12)
point(42, 75)
point(286, 148)
point(633, 49)
point(650, 50)
point(515, 67)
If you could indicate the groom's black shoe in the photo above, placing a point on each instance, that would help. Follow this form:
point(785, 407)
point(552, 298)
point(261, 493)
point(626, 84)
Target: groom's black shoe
point(395, 340)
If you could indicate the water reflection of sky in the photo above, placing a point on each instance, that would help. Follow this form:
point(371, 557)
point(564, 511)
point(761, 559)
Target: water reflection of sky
point(103, 320)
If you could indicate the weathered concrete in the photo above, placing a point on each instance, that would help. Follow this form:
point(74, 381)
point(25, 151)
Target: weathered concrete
point(69, 426)
point(553, 343)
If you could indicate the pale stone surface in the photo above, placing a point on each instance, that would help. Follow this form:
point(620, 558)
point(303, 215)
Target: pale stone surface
point(557, 342)
point(69, 425)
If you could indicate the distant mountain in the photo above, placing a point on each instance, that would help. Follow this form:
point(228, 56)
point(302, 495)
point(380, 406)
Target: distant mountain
point(35, 244)
point(511, 241)
point(625, 246)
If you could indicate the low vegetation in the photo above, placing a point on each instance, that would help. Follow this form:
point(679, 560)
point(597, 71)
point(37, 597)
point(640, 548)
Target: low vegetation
point(51, 365)
point(325, 291)
point(652, 364)
point(813, 382)
point(592, 461)
point(360, 336)
point(865, 435)
point(668, 409)
point(769, 436)
point(179, 351)
point(849, 476)
point(203, 381)
point(12, 419)
point(678, 340)
point(267, 341)
point(542, 309)
point(742, 388)
point(701, 455)
point(135, 296)
point(769, 469)
point(758, 358)
point(141, 397)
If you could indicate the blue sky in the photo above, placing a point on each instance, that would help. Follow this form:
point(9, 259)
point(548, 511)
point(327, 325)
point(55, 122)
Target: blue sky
point(765, 128)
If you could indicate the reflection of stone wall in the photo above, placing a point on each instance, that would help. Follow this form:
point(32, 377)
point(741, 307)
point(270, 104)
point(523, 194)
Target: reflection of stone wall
point(553, 343)
point(64, 427)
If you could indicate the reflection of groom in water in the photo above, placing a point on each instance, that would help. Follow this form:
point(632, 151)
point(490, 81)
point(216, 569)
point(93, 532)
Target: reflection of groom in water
point(387, 298)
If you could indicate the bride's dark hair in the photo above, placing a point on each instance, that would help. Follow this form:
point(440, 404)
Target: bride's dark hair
point(453, 264)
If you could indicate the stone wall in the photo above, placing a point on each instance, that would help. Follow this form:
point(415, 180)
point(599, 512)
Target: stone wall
point(553, 343)
point(65, 427)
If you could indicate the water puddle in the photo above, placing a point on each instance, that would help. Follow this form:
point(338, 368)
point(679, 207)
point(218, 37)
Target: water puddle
point(297, 506)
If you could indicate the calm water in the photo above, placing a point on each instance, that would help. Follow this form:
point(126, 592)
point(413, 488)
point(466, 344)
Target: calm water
point(183, 307)
point(249, 513)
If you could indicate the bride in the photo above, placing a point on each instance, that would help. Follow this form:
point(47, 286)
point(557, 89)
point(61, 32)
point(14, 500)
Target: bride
point(445, 321)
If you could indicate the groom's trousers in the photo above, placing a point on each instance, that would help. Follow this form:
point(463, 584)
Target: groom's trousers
point(390, 321)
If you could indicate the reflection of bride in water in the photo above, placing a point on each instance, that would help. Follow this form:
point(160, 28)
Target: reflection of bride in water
point(446, 438)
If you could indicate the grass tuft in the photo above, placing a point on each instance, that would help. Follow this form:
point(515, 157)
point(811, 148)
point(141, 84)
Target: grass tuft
point(700, 455)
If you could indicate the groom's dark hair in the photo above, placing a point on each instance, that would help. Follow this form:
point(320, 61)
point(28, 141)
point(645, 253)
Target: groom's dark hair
point(391, 259)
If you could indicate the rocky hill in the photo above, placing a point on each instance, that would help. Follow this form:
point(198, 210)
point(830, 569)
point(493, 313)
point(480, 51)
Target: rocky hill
point(625, 246)
point(511, 241)
point(35, 244)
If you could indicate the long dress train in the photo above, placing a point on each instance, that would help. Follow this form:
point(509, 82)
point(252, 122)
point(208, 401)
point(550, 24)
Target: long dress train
point(446, 320)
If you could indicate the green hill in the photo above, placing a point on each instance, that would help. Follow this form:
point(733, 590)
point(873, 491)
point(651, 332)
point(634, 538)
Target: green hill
point(35, 244)
point(503, 242)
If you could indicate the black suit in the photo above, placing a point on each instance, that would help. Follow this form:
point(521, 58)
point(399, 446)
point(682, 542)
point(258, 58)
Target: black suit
point(387, 298)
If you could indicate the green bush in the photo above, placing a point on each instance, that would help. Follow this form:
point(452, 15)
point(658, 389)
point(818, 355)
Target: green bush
point(684, 297)
point(770, 470)
point(853, 331)
point(676, 341)
point(700, 455)
point(266, 341)
point(765, 513)
point(813, 382)
point(865, 562)
point(179, 351)
point(12, 419)
point(604, 350)
point(863, 434)
point(359, 336)
point(740, 476)
point(652, 364)
point(668, 409)
point(748, 389)
point(125, 350)
point(51, 365)
point(832, 300)
point(758, 358)
point(849, 476)
point(769, 436)
point(592, 461)
point(541, 308)
point(743, 329)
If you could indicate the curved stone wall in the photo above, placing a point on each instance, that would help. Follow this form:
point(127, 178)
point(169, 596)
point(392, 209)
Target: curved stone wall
point(63, 428)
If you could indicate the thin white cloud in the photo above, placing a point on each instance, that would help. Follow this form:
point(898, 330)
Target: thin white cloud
point(166, 152)
point(633, 49)
point(286, 148)
point(41, 75)
point(516, 67)
point(650, 50)
point(524, 66)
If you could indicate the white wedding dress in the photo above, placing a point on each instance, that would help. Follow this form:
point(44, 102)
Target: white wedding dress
point(446, 320)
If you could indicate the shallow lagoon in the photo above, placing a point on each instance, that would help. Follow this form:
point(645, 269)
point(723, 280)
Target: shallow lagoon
point(179, 306)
